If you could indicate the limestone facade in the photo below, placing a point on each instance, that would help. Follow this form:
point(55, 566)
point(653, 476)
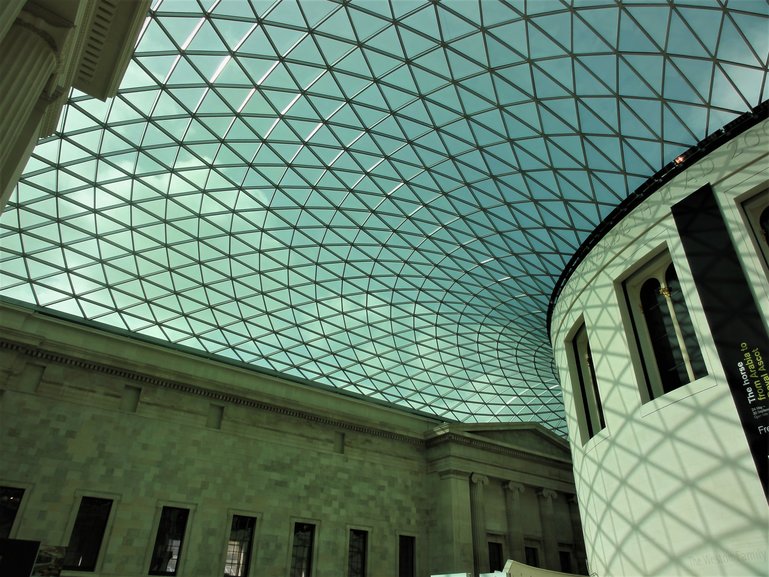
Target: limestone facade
point(87, 413)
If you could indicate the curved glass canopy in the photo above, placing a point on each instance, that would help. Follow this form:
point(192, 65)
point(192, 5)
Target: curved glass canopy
point(377, 196)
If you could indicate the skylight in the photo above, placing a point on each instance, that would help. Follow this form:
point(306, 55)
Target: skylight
point(370, 195)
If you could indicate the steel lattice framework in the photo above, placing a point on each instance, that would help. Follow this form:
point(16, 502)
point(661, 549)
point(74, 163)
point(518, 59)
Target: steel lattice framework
point(370, 195)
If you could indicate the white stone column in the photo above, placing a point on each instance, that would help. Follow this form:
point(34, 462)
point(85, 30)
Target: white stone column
point(478, 512)
point(549, 539)
point(28, 60)
point(513, 492)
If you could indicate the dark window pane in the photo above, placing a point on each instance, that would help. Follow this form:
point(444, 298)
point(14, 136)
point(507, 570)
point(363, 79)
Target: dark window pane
point(10, 500)
point(496, 560)
point(685, 324)
point(532, 556)
point(239, 545)
point(406, 556)
point(565, 559)
point(588, 385)
point(356, 559)
point(667, 353)
point(762, 233)
point(87, 534)
point(594, 385)
point(301, 552)
point(168, 544)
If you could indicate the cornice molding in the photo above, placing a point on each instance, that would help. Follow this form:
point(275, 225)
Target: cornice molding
point(182, 387)
point(491, 447)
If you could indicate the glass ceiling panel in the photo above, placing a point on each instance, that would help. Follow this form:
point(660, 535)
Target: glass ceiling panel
point(375, 196)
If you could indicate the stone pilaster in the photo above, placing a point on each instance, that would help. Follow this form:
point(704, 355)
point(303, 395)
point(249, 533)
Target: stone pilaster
point(478, 512)
point(549, 539)
point(515, 521)
point(451, 538)
point(576, 531)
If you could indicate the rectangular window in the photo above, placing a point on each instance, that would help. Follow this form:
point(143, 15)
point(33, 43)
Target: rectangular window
point(301, 550)
point(239, 545)
point(532, 556)
point(496, 559)
point(87, 534)
point(406, 556)
point(356, 555)
point(664, 333)
point(587, 395)
point(10, 501)
point(169, 540)
point(565, 559)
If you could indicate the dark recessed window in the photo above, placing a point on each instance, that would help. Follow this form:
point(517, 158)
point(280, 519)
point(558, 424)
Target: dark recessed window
point(496, 559)
point(565, 560)
point(301, 550)
point(406, 556)
point(10, 501)
point(356, 555)
point(532, 556)
point(239, 545)
point(87, 534)
point(169, 540)
point(587, 395)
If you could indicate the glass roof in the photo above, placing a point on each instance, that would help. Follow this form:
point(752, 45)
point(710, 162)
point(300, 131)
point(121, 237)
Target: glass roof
point(377, 196)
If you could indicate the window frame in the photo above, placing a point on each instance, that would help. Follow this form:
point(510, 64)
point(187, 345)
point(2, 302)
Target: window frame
point(367, 532)
point(160, 507)
point(591, 419)
point(251, 556)
point(25, 488)
point(78, 503)
point(752, 208)
point(293, 522)
point(499, 541)
point(563, 551)
point(644, 358)
point(414, 558)
point(535, 546)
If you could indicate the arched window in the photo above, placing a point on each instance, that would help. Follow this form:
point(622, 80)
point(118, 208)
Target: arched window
point(666, 341)
point(659, 324)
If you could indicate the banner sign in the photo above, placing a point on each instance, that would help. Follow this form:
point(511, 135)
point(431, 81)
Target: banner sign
point(735, 321)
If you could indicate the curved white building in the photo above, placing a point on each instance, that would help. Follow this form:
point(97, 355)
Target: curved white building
point(660, 339)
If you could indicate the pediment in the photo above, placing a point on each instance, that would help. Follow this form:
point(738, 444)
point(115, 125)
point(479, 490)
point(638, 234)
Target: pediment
point(524, 436)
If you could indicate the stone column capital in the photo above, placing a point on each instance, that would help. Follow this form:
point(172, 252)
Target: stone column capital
point(547, 494)
point(515, 488)
point(479, 479)
point(53, 29)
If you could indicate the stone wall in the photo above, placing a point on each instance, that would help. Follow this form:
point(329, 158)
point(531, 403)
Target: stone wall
point(87, 413)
